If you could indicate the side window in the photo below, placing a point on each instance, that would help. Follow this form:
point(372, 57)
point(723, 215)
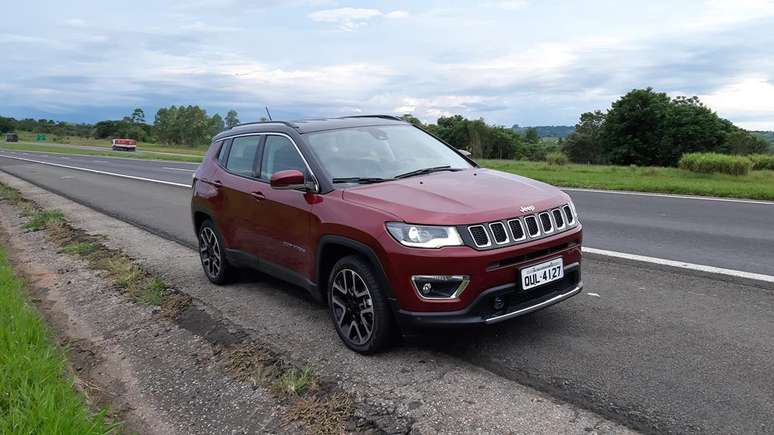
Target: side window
point(241, 156)
point(223, 153)
point(279, 154)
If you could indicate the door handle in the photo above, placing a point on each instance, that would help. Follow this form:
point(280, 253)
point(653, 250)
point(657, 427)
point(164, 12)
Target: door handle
point(258, 196)
point(217, 183)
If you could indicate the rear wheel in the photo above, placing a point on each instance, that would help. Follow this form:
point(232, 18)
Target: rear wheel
point(358, 306)
point(212, 255)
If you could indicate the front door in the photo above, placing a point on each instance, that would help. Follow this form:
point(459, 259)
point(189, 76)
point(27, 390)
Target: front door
point(286, 214)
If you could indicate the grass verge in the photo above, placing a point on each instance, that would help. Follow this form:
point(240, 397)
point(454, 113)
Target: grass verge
point(755, 185)
point(318, 405)
point(145, 155)
point(36, 394)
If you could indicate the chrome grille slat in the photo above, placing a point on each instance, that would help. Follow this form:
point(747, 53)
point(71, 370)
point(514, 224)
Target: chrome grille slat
point(532, 222)
point(517, 230)
point(477, 232)
point(499, 233)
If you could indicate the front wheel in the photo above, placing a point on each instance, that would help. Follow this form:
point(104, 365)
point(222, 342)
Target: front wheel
point(358, 306)
point(212, 255)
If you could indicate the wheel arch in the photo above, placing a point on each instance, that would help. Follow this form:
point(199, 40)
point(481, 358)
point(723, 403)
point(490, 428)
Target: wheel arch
point(331, 248)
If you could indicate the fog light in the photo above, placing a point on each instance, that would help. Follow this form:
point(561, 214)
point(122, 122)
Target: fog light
point(439, 286)
point(498, 303)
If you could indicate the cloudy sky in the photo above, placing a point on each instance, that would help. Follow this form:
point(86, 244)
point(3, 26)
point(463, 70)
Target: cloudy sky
point(512, 61)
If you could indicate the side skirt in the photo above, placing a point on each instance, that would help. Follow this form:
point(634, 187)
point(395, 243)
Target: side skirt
point(248, 261)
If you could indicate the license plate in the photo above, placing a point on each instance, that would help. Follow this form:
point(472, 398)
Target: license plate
point(542, 273)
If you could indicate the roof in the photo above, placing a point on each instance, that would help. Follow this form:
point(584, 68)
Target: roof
point(313, 125)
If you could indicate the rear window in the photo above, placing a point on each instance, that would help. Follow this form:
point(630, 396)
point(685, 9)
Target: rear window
point(241, 156)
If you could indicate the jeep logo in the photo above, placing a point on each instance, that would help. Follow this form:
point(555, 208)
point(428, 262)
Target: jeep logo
point(527, 208)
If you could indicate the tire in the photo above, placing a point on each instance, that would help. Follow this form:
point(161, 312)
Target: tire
point(351, 285)
point(211, 253)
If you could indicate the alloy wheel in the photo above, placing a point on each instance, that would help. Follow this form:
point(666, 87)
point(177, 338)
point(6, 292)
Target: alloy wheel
point(353, 308)
point(209, 250)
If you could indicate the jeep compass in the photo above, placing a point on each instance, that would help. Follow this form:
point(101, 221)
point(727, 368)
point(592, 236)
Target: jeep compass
point(392, 228)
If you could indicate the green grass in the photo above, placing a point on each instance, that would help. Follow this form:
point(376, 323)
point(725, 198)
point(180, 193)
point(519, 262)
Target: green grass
point(43, 219)
point(83, 249)
point(153, 294)
point(26, 136)
point(36, 394)
point(294, 382)
point(145, 155)
point(755, 185)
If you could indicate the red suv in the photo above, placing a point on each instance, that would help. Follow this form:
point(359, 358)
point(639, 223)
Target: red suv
point(389, 226)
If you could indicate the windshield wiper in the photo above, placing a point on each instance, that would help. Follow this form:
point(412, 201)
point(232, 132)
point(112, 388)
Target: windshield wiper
point(427, 171)
point(360, 180)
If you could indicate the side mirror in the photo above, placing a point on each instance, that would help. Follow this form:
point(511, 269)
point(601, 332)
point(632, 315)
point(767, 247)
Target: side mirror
point(465, 153)
point(288, 180)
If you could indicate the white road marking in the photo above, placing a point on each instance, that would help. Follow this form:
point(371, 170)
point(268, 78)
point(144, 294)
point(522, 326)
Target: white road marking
point(179, 169)
point(668, 195)
point(682, 265)
point(596, 295)
point(131, 177)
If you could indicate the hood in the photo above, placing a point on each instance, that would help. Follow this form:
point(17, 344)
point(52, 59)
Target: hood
point(457, 198)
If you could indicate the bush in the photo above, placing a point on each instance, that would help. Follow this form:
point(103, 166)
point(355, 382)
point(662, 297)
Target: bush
point(762, 161)
point(712, 162)
point(556, 158)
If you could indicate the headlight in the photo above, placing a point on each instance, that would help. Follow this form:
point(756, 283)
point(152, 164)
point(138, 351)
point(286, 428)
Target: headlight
point(424, 236)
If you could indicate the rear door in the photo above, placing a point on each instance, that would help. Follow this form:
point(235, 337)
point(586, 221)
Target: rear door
point(242, 194)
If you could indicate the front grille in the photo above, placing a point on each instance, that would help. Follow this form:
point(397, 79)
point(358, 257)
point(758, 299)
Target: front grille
point(568, 214)
point(498, 232)
point(478, 232)
point(532, 226)
point(545, 221)
point(517, 230)
point(521, 229)
point(558, 218)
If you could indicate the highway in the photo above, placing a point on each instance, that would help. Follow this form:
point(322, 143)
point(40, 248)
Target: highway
point(663, 350)
point(736, 235)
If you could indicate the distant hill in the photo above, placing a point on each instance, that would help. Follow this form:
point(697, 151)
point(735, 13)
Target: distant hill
point(767, 135)
point(561, 131)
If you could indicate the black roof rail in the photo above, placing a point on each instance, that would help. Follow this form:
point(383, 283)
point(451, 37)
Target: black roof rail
point(289, 124)
point(393, 117)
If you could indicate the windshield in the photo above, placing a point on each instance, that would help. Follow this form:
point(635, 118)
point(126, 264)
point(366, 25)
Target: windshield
point(382, 152)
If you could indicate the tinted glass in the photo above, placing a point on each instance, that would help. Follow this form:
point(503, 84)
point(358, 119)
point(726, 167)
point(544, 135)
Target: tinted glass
point(241, 157)
point(279, 154)
point(383, 152)
point(223, 152)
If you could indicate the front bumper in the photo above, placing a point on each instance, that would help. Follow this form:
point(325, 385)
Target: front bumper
point(517, 303)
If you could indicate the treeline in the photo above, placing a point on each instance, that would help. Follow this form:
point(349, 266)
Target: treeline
point(557, 131)
point(174, 125)
point(649, 128)
point(487, 141)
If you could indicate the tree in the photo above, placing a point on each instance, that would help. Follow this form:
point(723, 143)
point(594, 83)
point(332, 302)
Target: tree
point(216, 125)
point(412, 119)
point(634, 128)
point(232, 119)
point(584, 144)
point(532, 136)
point(138, 116)
point(7, 124)
point(741, 141)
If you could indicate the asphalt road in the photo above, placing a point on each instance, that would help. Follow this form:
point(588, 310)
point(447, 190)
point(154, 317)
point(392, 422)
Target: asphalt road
point(731, 235)
point(661, 350)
